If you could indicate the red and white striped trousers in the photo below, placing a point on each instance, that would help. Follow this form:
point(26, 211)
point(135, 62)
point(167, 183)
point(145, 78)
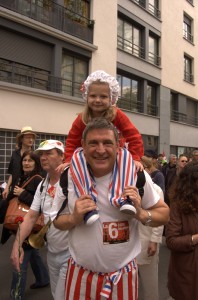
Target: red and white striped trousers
point(83, 284)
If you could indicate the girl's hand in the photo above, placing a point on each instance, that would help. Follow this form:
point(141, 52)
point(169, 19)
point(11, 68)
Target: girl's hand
point(138, 165)
point(61, 168)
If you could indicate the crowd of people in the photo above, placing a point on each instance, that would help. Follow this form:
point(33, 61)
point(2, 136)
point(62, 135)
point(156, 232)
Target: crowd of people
point(103, 231)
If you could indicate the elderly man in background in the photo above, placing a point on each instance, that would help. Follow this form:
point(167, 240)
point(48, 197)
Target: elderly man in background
point(51, 156)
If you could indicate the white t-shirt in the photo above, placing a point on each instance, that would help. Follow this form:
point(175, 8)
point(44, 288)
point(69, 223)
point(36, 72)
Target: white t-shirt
point(113, 240)
point(57, 240)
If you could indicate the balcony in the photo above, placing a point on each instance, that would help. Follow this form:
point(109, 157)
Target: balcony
point(130, 105)
point(154, 59)
point(130, 47)
point(184, 118)
point(53, 15)
point(15, 73)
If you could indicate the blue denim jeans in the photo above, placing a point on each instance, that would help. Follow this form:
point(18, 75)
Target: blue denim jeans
point(39, 269)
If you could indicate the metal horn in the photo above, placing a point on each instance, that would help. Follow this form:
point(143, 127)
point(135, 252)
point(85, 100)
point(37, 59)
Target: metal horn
point(36, 240)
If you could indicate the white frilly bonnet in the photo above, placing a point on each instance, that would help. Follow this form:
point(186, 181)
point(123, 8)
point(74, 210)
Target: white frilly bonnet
point(102, 76)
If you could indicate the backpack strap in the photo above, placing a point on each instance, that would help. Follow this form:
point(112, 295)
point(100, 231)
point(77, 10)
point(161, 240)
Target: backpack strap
point(42, 183)
point(64, 186)
point(140, 182)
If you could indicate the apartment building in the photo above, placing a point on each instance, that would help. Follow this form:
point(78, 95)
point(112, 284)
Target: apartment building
point(47, 49)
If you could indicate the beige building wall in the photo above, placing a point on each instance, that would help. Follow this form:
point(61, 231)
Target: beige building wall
point(174, 46)
point(105, 36)
point(21, 107)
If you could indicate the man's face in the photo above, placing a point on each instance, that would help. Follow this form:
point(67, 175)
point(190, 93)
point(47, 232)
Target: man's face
point(195, 156)
point(100, 150)
point(50, 159)
point(173, 160)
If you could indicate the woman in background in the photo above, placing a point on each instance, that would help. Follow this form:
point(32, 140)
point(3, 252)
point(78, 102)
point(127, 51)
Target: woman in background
point(31, 175)
point(182, 234)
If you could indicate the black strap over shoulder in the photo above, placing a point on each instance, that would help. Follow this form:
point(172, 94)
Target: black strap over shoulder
point(64, 186)
point(140, 182)
point(42, 183)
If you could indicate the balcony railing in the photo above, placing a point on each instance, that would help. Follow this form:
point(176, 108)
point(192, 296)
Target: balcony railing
point(184, 118)
point(130, 47)
point(154, 11)
point(130, 104)
point(43, 80)
point(53, 15)
point(188, 77)
point(152, 110)
point(188, 36)
point(154, 59)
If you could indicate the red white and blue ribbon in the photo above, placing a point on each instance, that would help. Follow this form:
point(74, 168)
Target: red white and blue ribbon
point(123, 175)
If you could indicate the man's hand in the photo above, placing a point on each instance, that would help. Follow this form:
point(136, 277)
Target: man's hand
point(5, 193)
point(152, 248)
point(83, 205)
point(15, 259)
point(131, 192)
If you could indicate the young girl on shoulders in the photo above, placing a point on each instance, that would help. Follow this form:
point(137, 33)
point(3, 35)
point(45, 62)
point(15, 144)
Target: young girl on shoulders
point(100, 91)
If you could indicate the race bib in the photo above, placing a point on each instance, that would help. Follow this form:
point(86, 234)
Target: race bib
point(115, 232)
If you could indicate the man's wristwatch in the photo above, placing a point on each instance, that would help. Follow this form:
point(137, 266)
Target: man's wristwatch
point(149, 219)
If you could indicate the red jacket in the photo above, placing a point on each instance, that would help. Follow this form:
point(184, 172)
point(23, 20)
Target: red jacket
point(129, 134)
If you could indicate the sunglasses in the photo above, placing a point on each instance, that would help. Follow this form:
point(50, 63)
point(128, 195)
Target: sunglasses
point(184, 161)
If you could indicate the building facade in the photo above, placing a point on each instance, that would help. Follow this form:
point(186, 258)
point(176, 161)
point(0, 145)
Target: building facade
point(47, 49)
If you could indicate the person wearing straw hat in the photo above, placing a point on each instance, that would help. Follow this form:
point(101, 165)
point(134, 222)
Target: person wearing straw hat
point(24, 142)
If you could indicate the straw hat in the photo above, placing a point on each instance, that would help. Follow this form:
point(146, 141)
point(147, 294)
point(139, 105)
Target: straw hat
point(25, 130)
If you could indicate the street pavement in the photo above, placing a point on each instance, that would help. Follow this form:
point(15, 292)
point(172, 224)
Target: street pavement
point(44, 293)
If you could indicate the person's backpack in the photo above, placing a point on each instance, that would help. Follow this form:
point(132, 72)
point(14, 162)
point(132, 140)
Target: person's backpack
point(64, 185)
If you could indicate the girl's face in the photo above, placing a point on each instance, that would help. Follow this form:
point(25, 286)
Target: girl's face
point(28, 164)
point(98, 98)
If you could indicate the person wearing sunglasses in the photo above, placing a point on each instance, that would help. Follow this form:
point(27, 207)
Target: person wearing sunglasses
point(173, 173)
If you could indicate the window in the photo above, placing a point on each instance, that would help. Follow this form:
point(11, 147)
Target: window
point(174, 106)
point(8, 145)
point(150, 142)
point(192, 112)
point(154, 8)
point(129, 94)
point(129, 38)
point(187, 28)
point(79, 7)
point(190, 1)
point(188, 66)
point(151, 100)
point(140, 2)
point(74, 71)
point(154, 51)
